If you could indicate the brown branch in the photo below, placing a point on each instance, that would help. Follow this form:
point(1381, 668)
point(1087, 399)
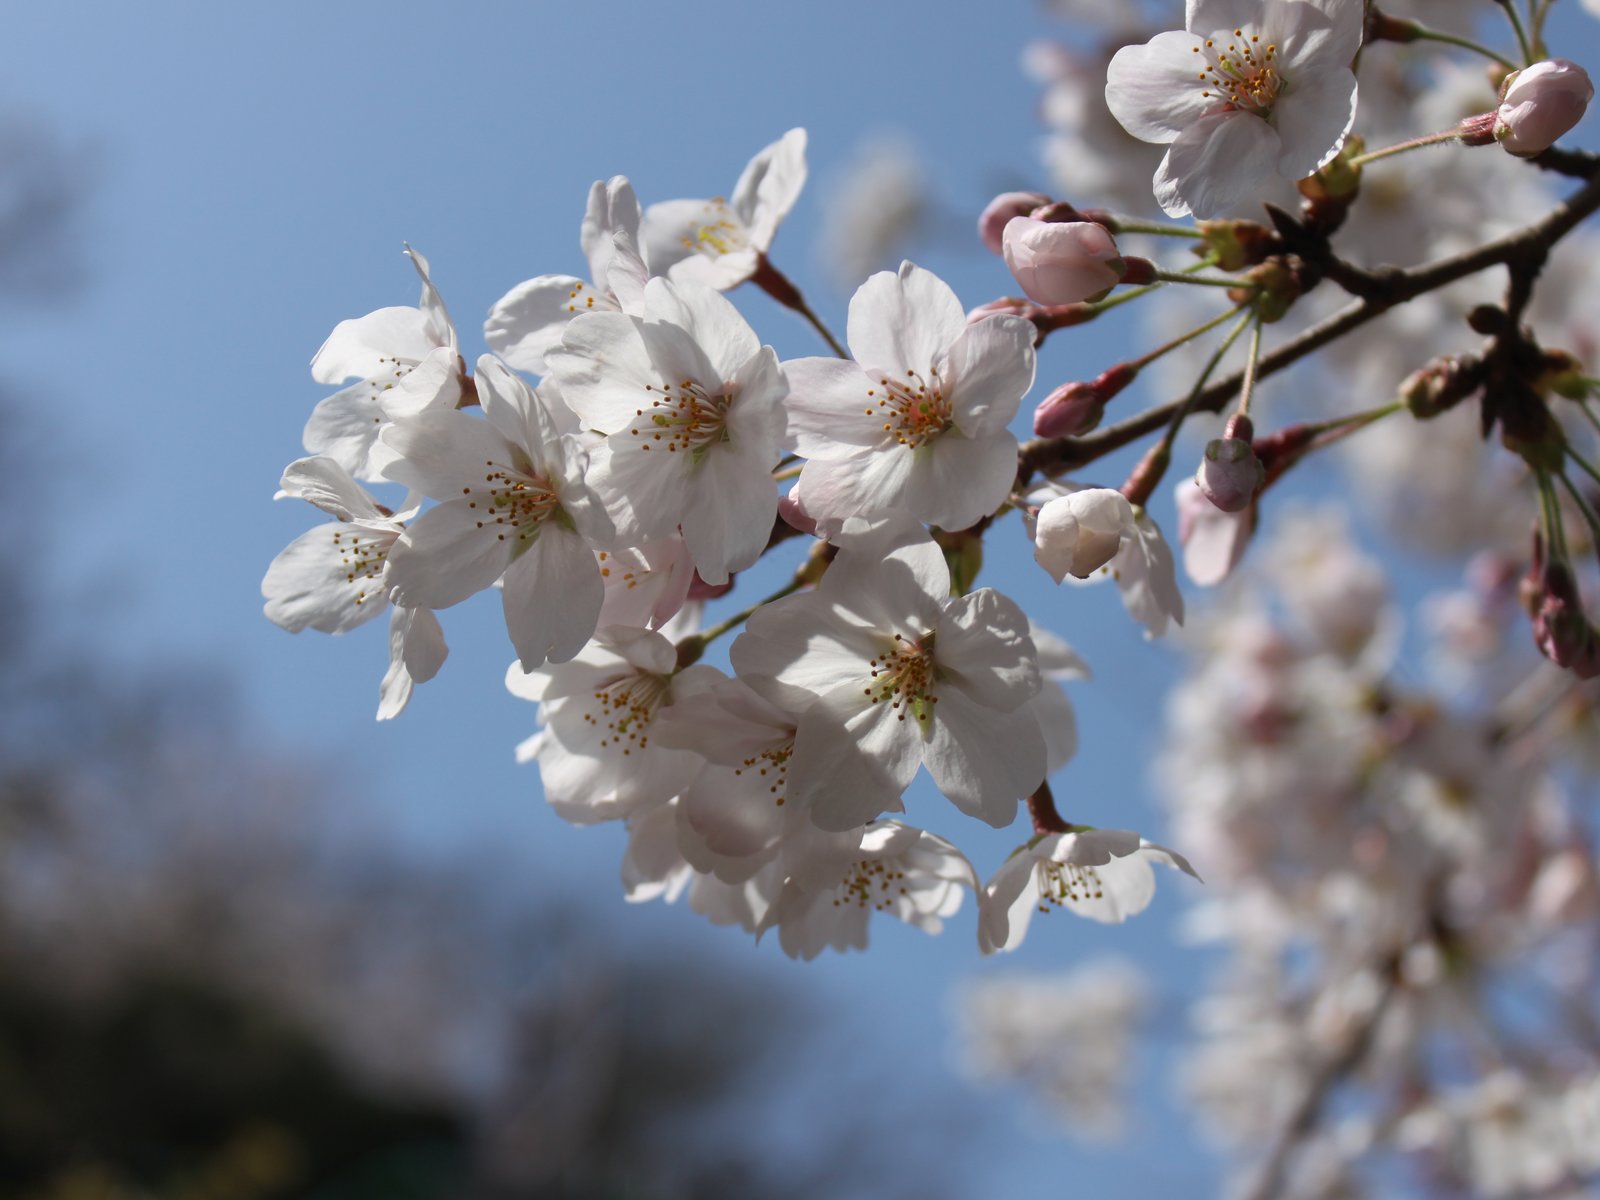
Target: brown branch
point(1378, 290)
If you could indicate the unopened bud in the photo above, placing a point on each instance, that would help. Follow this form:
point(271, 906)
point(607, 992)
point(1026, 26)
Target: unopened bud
point(1277, 288)
point(1230, 473)
point(1564, 375)
point(1540, 103)
point(1061, 262)
point(1339, 181)
point(1441, 385)
point(1075, 408)
point(1081, 532)
point(992, 222)
point(1560, 629)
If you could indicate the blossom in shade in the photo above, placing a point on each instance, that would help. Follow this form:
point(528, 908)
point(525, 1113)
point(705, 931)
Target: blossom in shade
point(406, 362)
point(1253, 88)
point(1102, 874)
point(691, 405)
point(720, 243)
point(597, 754)
point(1539, 104)
point(906, 873)
point(528, 320)
point(887, 673)
point(1062, 262)
point(918, 421)
point(514, 504)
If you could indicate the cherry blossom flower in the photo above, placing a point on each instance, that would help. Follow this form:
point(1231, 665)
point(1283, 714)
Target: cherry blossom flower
point(918, 420)
point(720, 243)
point(514, 504)
point(1252, 89)
point(597, 753)
point(331, 578)
point(407, 363)
point(1102, 874)
point(887, 672)
point(528, 320)
point(1078, 534)
point(1213, 540)
point(908, 873)
point(692, 406)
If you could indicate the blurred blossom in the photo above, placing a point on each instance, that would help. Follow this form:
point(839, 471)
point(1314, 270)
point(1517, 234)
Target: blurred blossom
point(874, 207)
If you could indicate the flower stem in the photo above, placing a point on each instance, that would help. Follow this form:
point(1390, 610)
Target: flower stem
point(1206, 280)
point(1131, 225)
point(1550, 511)
point(1590, 518)
point(1144, 360)
point(1521, 30)
point(1200, 384)
point(1431, 139)
point(1587, 469)
point(1249, 385)
point(1423, 34)
point(693, 646)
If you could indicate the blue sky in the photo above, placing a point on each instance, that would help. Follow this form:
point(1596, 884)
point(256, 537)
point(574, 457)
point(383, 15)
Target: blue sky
point(256, 170)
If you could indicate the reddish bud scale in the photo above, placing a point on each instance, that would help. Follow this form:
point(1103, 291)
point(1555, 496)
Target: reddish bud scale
point(1138, 270)
point(1144, 477)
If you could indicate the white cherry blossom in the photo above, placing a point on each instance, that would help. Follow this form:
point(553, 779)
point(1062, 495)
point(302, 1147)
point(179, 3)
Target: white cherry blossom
point(528, 320)
point(1253, 89)
point(908, 873)
point(918, 422)
point(720, 243)
point(514, 504)
point(332, 578)
point(692, 406)
point(407, 363)
point(597, 754)
point(888, 673)
point(1102, 874)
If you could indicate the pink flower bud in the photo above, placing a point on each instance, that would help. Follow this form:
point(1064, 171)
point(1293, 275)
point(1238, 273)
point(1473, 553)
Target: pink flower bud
point(795, 516)
point(992, 222)
point(1560, 629)
point(1075, 408)
point(1540, 103)
point(1230, 472)
point(1061, 262)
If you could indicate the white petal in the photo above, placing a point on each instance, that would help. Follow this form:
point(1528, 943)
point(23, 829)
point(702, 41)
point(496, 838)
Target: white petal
point(829, 408)
point(904, 321)
point(363, 347)
point(769, 186)
point(603, 368)
point(527, 322)
point(329, 579)
point(323, 482)
point(729, 513)
point(446, 555)
point(1312, 120)
point(984, 761)
point(989, 370)
point(956, 481)
point(852, 759)
point(710, 320)
point(1314, 35)
point(983, 648)
point(443, 452)
point(1216, 163)
point(551, 597)
point(1154, 90)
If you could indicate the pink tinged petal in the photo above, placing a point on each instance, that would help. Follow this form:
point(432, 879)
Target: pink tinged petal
point(830, 411)
point(904, 321)
point(364, 347)
point(728, 823)
point(710, 321)
point(1215, 164)
point(955, 481)
point(329, 579)
point(852, 759)
point(1213, 541)
point(527, 322)
point(602, 369)
point(551, 597)
point(769, 186)
point(446, 555)
point(1314, 36)
point(984, 761)
point(984, 650)
point(988, 371)
point(1154, 90)
point(323, 482)
point(1148, 580)
point(743, 904)
point(869, 484)
point(1312, 119)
